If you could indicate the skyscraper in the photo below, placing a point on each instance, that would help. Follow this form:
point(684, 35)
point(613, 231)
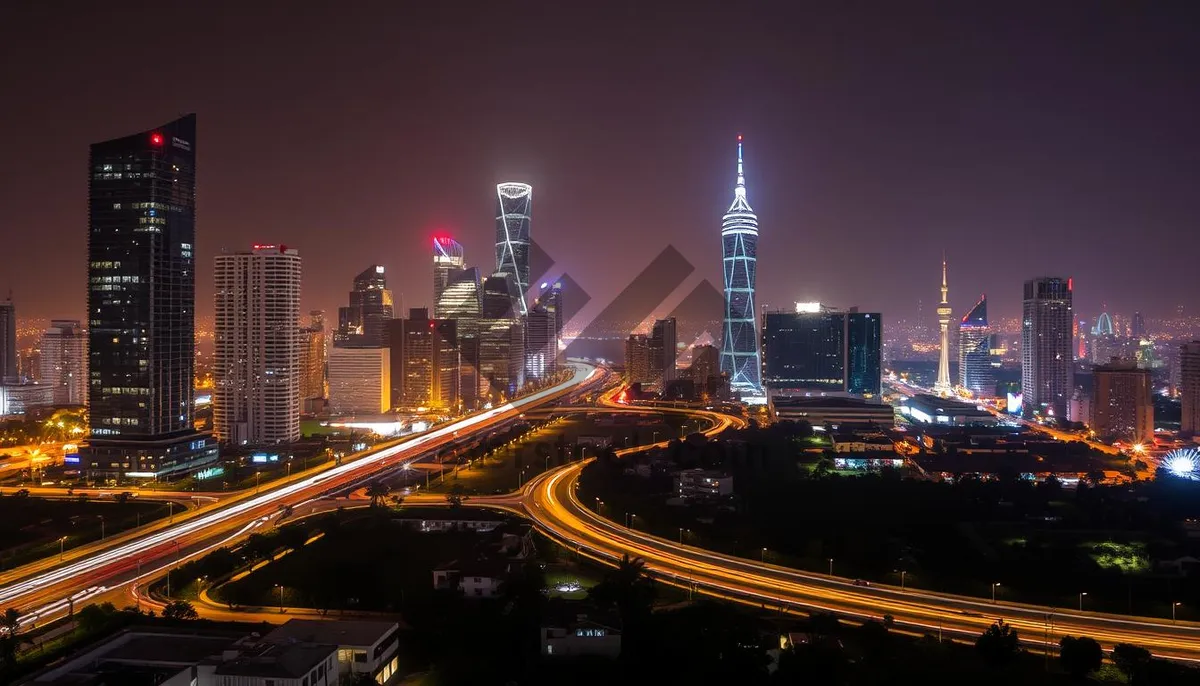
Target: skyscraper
point(424, 361)
point(501, 337)
point(975, 371)
point(821, 349)
point(64, 361)
point(740, 356)
point(363, 323)
point(541, 342)
point(141, 304)
point(314, 355)
point(257, 373)
point(637, 359)
point(447, 259)
point(1189, 387)
point(514, 209)
point(663, 352)
point(461, 301)
point(1137, 328)
point(1047, 369)
point(942, 386)
point(8, 342)
point(1122, 407)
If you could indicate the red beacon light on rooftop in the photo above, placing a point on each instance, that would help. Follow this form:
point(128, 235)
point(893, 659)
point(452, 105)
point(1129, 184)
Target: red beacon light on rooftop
point(156, 139)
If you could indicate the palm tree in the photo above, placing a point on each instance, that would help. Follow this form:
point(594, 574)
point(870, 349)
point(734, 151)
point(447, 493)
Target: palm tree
point(10, 625)
point(377, 491)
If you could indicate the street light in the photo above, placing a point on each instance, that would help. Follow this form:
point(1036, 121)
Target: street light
point(763, 556)
point(257, 474)
point(1081, 595)
point(995, 585)
point(1173, 606)
point(280, 587)
point(903, 574)
point(831, 566)
point(101, 526)
point(681, 530)
point(599, 503)
point(60, 548)
point(628, 519)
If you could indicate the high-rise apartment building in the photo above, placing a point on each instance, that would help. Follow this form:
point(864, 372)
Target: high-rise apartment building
point(314, 356)
point(514, 211)
point(541, 342)
point(821, 349)
point(8, 342)
point(1047, 367)
point(976, 372)
point(363, 323)
point(1122, 405)
point(741, 358)
point(63, 359)
point(256, 360)
point(663, 352)
point(360, 381)
point(141, 305)
point(637, 359)
point(424, 361)
point(1189, 387)
point(447, 259)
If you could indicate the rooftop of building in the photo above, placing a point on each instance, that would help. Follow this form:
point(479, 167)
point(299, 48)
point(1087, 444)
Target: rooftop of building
point(281, 661)
point(832, 401)
point(342, 632)
point(945, 405)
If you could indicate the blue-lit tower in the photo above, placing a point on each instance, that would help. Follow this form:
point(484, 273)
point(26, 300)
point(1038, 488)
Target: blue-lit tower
point(740, 356)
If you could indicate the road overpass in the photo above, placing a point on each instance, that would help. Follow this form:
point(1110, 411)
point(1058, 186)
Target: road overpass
point(112, 571)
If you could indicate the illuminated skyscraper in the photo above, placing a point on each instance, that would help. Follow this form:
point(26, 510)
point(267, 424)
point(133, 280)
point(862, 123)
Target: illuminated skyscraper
point(63, 360)
point(820, 349)
point(256, 396)
point(975, 371)
point(1047, 366)
point(514, 208)
point(740, 356)
point(314, 355)
point(501, 337)
point(424, 361)
point(141, 305)
point(663, 352)
point(363, 323)
point(447, 259)
point(461, 301)
point(942, 386)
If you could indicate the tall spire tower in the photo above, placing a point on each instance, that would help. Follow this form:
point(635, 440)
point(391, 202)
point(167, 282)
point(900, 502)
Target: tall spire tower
point(942, 387)
point(740, 356)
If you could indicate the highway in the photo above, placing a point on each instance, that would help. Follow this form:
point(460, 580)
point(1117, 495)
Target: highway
point(112, 572)
point(550, 501)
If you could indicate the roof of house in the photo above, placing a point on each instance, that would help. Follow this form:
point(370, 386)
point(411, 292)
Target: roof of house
point(284, 661)
point(344, 632)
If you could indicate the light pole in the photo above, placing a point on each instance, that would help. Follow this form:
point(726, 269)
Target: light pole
point(762, 557)
point(60, 548)
point(280, 587)
point(655, 439)
point(599, 503)
point(1173, 606)
point(995, 585)
point(629, 519)
point(1081, 595)
point(257, 474)
point(101, 526)
point(903, 574)
point(831, 566)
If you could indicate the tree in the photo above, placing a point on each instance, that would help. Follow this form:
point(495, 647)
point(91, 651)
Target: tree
point(180, 610)
point(10, 640)
point(632, 592)
point(1133, 661)
point(1080, 656)
point(94, 617)
point(999, 644)
point(377, 491)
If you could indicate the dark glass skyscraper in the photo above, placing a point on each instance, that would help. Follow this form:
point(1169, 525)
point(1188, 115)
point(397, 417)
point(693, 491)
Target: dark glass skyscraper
point(975, 371)
point(363, 324)
point(514, 209)
point(740, 357)
point(8, 342)
point(141, 304)
point(823, 350)
point(1047, 363)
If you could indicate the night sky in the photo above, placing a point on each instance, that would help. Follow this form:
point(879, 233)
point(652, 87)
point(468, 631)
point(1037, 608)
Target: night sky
point(1021, 139)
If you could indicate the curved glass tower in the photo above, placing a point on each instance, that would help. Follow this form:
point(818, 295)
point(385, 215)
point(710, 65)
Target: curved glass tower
point(513, 209)
point(740, 356)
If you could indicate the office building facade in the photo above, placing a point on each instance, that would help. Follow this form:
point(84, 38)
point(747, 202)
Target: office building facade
point(257, 370)
point(501, 337)
point(1123, 404)
point(1047, 327)
point(141, 305)
point(63, 360)
point(823, 350)
point(360, 381)
point(541, 343)
point(8, 342)
point(637, 359)
point(663, 352)
point(1189, 387)
point(462, 302)
point(741, 359)
point(424, 362)
point(314, 355)
point(976, 372)
point(448, 258)
point(514, 213)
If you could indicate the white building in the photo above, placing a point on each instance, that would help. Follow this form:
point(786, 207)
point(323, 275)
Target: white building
point(256, 396)
point(700, 484)
point(360, 380)
point(64, 361)
point(365, 647)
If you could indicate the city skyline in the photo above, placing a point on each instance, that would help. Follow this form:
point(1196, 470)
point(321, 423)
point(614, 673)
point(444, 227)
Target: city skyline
point(840, 153)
